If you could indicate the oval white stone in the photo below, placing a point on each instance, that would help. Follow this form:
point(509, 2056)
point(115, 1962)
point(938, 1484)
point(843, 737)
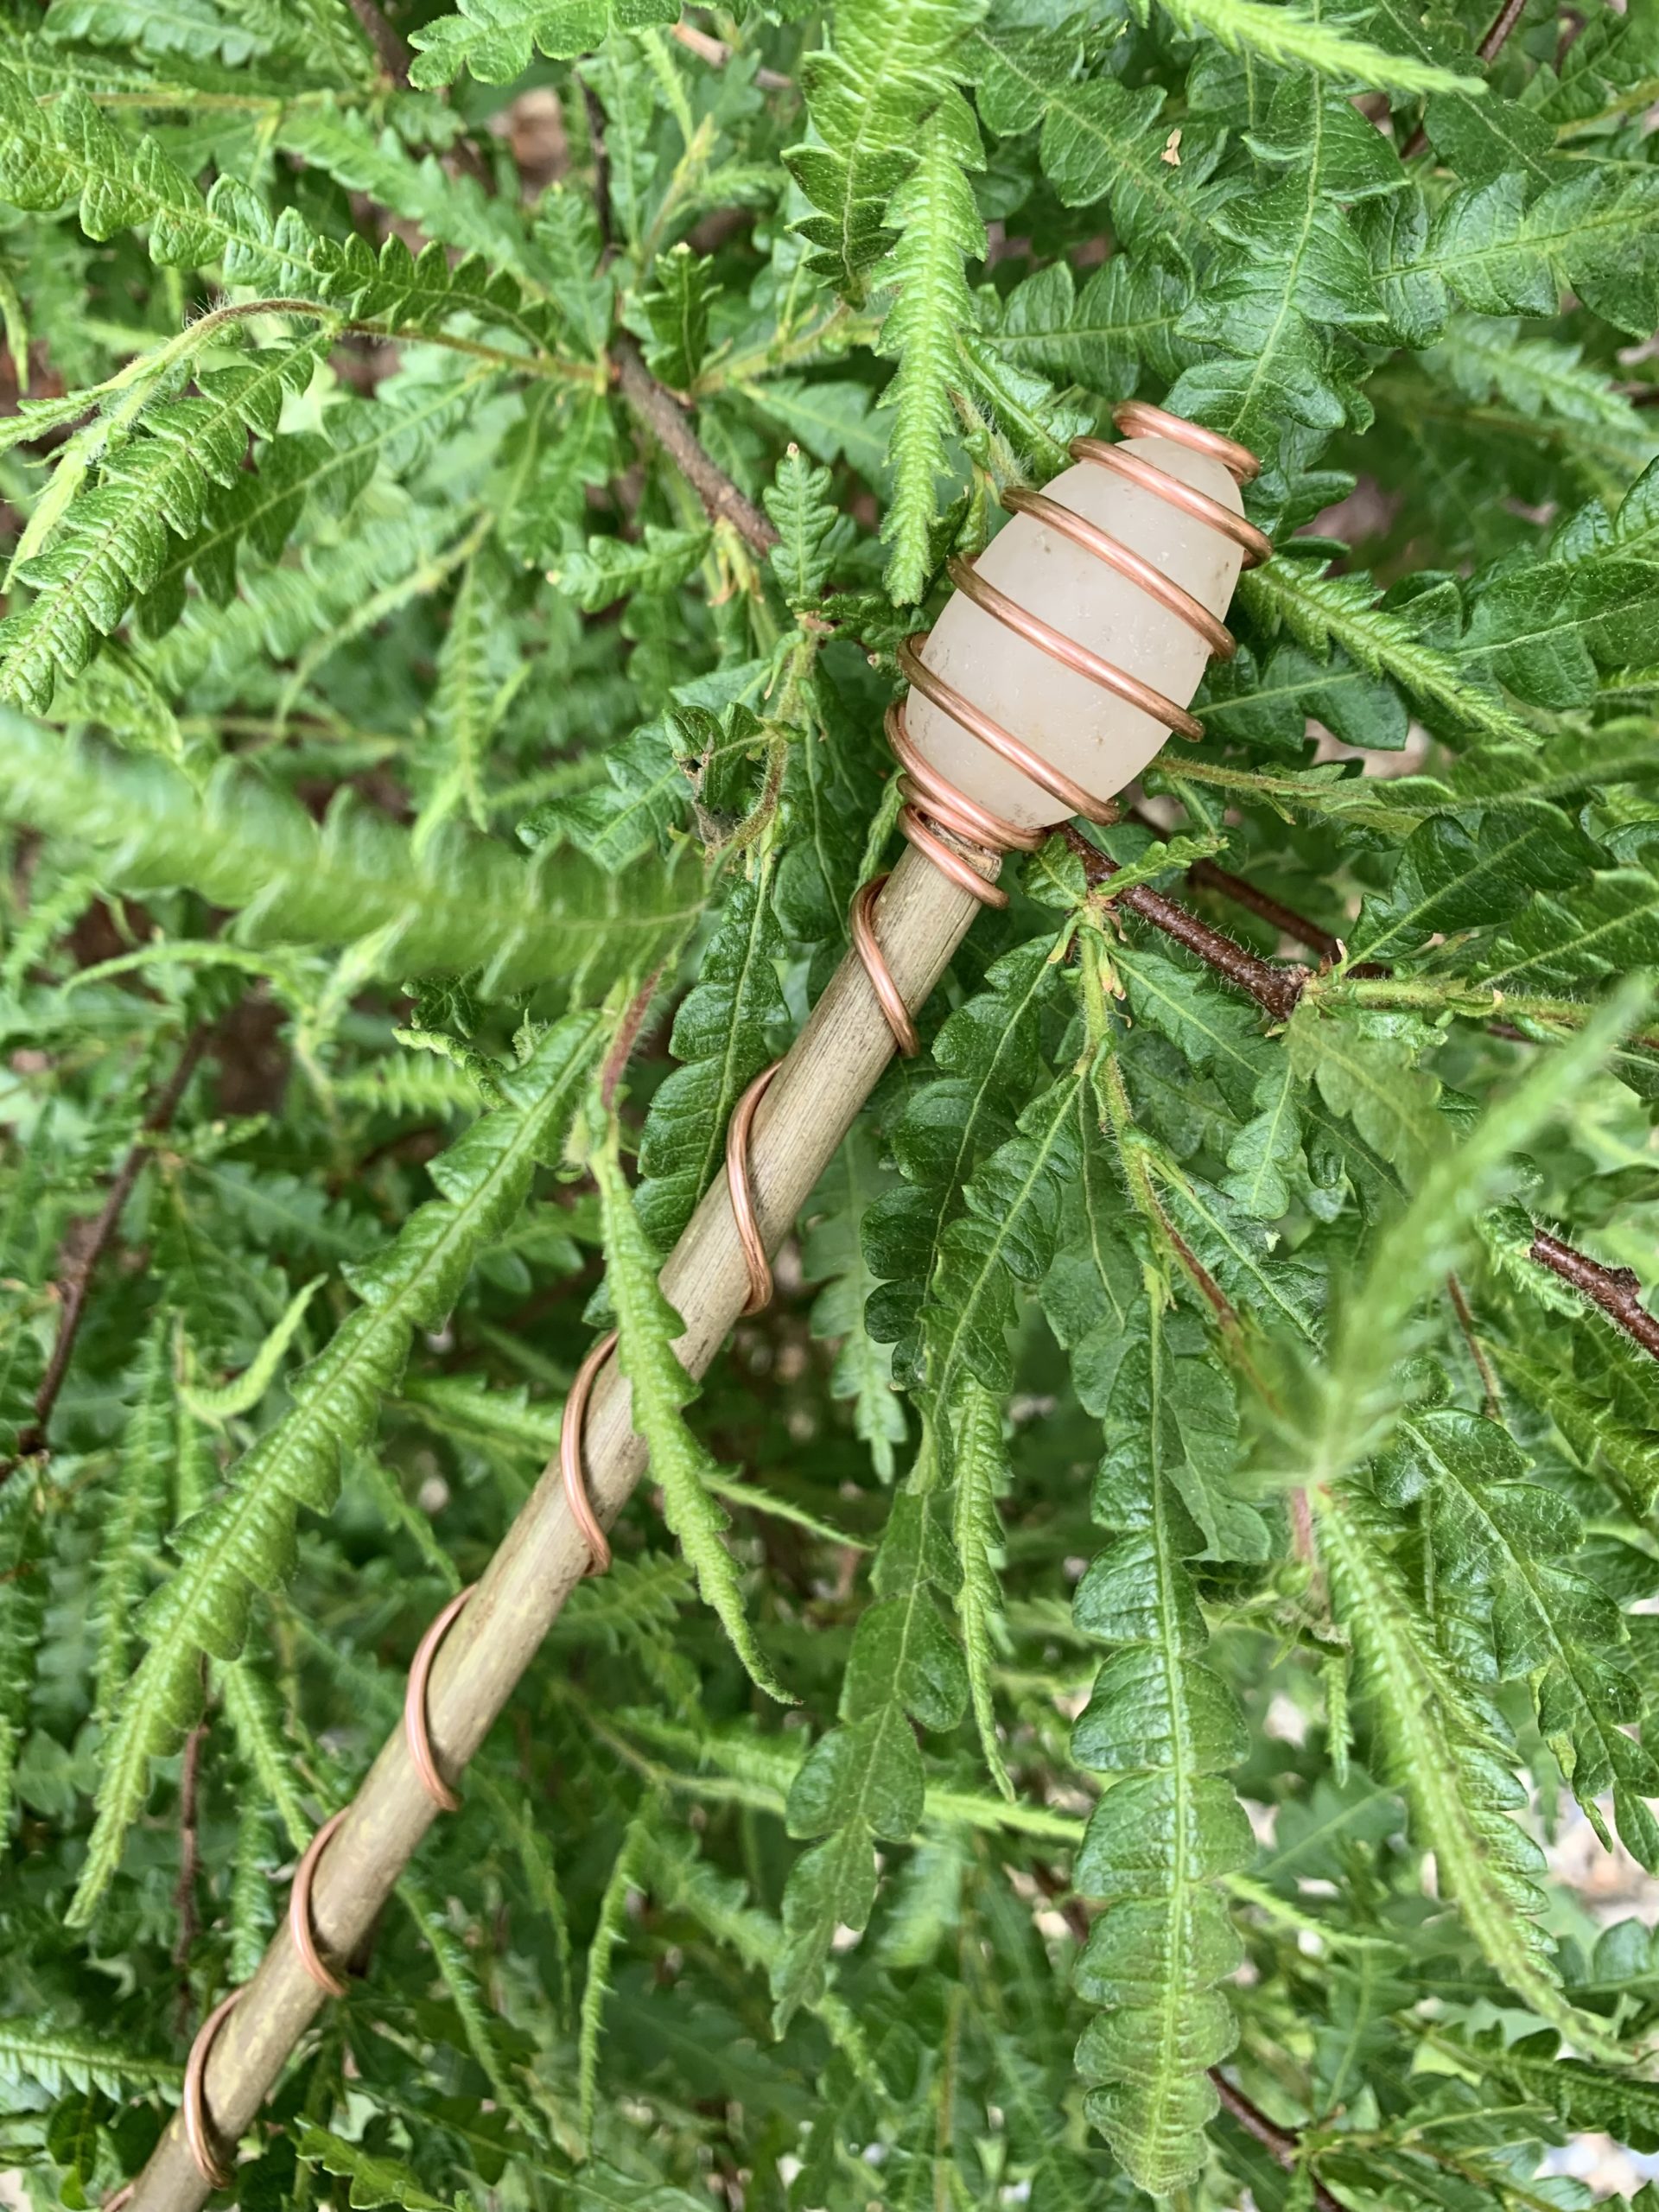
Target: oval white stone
point(1097, 738)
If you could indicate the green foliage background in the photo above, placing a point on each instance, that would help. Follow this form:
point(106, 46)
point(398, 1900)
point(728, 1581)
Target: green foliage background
point(1204, 1547)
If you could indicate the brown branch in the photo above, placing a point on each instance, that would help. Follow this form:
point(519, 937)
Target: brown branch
point(184, 1894)
point(1281, 2146)
point(1276, 990)
point(1617, 1290)
point(1493, 1407)
point(1498, 31)
point(390, 51)
point(593, 108)
point(1206, 876)
point(654, 404)
point(656, 407)
point(1492, 43)
point(78, 1280)
point(717, 54)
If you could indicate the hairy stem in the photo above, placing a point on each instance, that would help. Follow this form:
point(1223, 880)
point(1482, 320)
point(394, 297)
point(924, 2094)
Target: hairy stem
point(1617, 1290)
point(660, 413)
point(1277, 990)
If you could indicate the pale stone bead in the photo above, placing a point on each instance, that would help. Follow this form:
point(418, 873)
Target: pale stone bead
point(1094, 736)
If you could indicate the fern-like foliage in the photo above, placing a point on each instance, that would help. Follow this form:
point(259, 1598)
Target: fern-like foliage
point(720, 1037)
point(446, 904)
point(1218, 1369)
point(243, 1540)
point(646, 1328)
point(1166, 1725)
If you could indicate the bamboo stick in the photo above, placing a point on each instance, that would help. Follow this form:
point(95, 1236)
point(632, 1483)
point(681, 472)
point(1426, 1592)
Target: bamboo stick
point(829, 1071)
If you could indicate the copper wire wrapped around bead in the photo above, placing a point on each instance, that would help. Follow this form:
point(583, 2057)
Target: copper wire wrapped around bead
point(932, 804)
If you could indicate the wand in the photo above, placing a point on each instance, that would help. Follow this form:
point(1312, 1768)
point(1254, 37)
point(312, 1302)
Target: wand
point(1014, 722)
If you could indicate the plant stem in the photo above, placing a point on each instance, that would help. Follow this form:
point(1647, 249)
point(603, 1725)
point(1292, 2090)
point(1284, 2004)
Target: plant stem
point(390, 49)
point(1617, 1290)
point(78, 1281)
point(1205, 875)
point(1277, 990)
point(1493, 1405)
point(1279, 2144)
point(660, 413)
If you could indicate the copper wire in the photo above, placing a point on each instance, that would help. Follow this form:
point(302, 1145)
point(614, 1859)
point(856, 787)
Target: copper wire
point(1139, 418)
point(1013, 750)
point(1128, 563)
point(193, 2108)
point(1149, 477)
point(1067, 651)
point(417, 1732)
point(574, 1419)
point(932, 804)
point(301, 1932)
point(742, 1195)
point(869, 951)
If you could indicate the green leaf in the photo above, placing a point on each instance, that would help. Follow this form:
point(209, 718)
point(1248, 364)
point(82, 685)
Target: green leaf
point(869, 96)
point(1442, 1755)
point(833, 1254)
point(612, 570)
point(60, 2057)
point(459, 903)
point(374, 2181)
point(647, 1327)
point(938, 226)
point(494, 39)
point(676, 309)
point(607, 1934)
point(1287, 38)
point(722, 1035)
point(1170, 1827)
point(981, 1468)
point(243, 1540)
point(864, 1780)
point(812, 532)
point(1505, 1547)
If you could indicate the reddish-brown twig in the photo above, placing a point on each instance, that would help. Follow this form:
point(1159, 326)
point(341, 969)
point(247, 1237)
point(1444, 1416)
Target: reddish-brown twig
point(78, 1280)
point(1617, 1290)
point(390, 50)
point(661, 414)
point(1279, 2145)
point(1491, 45)
point(1277, 990)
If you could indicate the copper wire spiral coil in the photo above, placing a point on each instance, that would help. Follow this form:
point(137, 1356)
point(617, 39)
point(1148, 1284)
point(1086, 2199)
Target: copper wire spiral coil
point(932, 804)
point(193, 2108)
point(571, 1424)
point(417, 1733)
point(742, 1195)
point(301, 1932)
